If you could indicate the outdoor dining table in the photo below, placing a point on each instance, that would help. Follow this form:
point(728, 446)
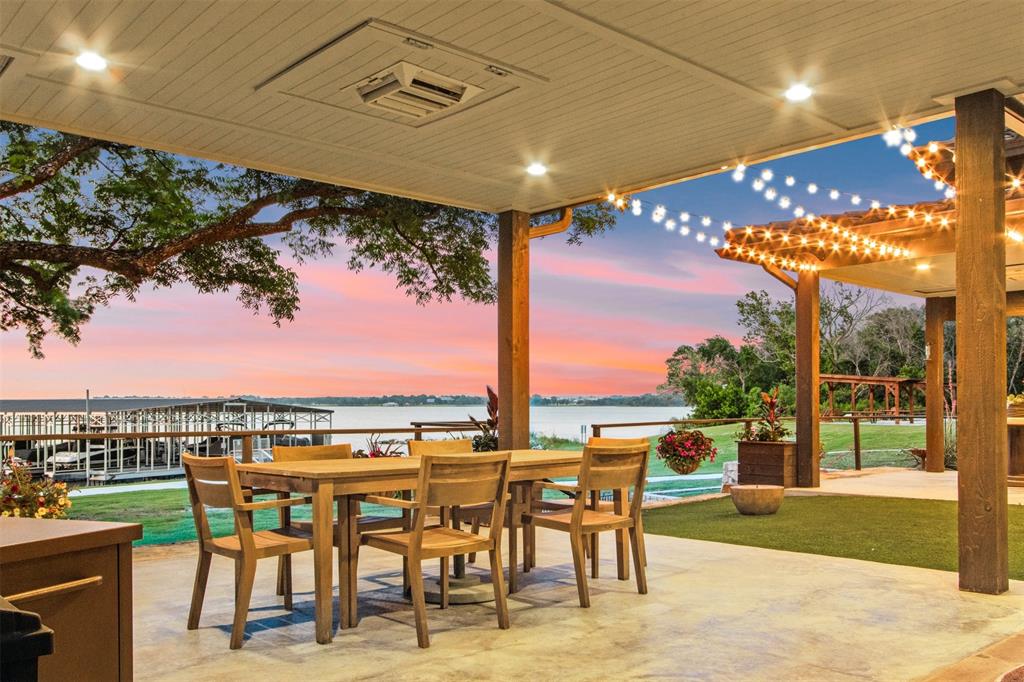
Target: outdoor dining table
point(341, 481)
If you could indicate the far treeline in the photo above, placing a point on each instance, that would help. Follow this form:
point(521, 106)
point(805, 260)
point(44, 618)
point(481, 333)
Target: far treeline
point(646, 400)
point(862, 333)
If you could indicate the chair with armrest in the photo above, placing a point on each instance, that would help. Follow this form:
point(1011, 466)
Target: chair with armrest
point(603, 468)
point(449, 481)
point(364, 524)
point(213, 483)
point(592, 544)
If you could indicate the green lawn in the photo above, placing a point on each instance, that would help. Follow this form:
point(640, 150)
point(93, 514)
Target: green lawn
point(888, 530)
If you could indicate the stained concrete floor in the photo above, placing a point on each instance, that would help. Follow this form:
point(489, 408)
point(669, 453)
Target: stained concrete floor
point(714, 612)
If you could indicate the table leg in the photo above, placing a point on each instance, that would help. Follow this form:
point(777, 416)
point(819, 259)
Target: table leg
point(528, 546)
point(348, 556)
point(595, 544)
point(513, 550)
point(323, 520)
point(460, 559)
point(621, 543)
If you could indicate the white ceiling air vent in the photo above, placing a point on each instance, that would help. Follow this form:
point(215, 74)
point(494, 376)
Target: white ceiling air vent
point(409, 90)
point(5, 61)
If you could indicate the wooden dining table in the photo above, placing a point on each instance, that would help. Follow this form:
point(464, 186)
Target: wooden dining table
point(340, 482)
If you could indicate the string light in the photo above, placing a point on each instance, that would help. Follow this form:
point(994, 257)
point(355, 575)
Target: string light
point(658, 214)
point(812, 188)
point(684, 217)
point(757, 184)
point(706, 221)
point(670, 225)
point(790, 181)
point(767, 174)
point(833, 194)
point(637, 207)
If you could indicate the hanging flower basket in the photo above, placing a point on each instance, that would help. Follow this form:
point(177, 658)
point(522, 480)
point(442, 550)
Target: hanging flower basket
point(683, 450)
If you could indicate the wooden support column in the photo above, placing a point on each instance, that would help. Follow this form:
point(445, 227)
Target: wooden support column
point(808, 391)
point(981, 342)
point(514, 330)
point(934, 404)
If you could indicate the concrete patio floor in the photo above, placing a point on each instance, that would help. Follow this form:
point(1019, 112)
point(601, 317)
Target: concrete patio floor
point(894, 482)
point(714, 612)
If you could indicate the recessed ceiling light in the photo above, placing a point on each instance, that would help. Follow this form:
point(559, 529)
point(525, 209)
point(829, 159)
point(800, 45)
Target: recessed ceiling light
point(537, 168)
point(90, 61)
point(798, 92)
point(923, 266)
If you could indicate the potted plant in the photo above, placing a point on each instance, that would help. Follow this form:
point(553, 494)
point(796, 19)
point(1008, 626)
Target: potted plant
point(765, 456)
point(21, 495)
point(487, 439)
point(684, 450)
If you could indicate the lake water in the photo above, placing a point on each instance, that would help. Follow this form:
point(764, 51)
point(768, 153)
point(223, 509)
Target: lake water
point(568, 421)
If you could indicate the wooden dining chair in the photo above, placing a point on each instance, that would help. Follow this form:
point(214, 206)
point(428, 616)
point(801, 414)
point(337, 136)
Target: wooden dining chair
point(449, 481)
point(592, 544)
point(603, 468)
point(476, 515)
point(213, 483)
point(364, 524)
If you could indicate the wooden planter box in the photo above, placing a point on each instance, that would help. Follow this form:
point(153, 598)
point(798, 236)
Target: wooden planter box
point(767, 463)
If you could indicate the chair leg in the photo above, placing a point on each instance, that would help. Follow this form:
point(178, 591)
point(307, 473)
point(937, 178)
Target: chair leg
point(280, 574)
point(247, 575)
point(595, 554)
point(419, 602)
point(475, 528)
point(443, 580)
point(498, 581)
point(635, 539)
point(286, 579)
point(199, 589)
point(640, 538)
point(581, 570)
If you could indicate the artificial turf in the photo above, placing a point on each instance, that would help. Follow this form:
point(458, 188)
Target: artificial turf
point(888, 530)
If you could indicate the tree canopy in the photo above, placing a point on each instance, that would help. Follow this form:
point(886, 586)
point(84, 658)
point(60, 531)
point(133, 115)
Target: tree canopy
point(83, 221)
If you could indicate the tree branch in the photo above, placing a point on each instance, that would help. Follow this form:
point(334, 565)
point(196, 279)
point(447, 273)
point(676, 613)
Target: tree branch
point(75, 148)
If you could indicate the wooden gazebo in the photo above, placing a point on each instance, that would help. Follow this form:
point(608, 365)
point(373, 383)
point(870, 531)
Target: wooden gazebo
point(965, 256)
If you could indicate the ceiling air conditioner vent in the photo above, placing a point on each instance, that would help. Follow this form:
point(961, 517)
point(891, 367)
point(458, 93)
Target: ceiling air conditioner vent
point(409, 90)
point(5, 61)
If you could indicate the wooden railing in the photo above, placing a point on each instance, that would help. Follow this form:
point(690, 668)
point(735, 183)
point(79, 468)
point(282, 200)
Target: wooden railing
point(855, 421)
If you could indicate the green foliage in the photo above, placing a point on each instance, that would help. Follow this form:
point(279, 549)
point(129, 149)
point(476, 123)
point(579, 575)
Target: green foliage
point(769, 426)
point(718, 401)
point(83, 221)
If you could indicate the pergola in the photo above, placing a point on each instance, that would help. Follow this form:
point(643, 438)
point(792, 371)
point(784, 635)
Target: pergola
point(964, 257)
point(605, 96)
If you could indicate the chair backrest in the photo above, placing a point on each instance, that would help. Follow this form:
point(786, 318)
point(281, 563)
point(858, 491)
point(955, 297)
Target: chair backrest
point(462, 480)
point(306, 453)
point(212, 482)
point(458, 446)
point(614, 468)
point(617, 442)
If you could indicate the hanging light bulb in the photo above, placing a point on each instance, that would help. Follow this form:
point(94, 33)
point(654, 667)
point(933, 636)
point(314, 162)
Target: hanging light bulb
point(892, 137)
point(684, 230)
point(670, 225)
point(799, 211)
point(905, 149)
point(855, 200)
point(769, 194)
point(684, 217)
point(636, 206)
point(950, 193)
point(784, 202)
point(790, 181)
point(933, 147)
point(939, 185)
point(909, 135)
point(767, 174)
point(713, 241)
point(833, 194)
point(875, 205)
point(812, 188)
point(757, 184)
point(611, 197)
point(701, 236)
point(706, 221)
point(726, 225)
point(738, 175)
point(658, 214)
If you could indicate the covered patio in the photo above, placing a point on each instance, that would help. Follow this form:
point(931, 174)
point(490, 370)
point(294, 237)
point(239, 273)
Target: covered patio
point(535, 110)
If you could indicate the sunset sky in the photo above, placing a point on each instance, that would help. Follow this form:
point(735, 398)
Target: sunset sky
point(604, 315)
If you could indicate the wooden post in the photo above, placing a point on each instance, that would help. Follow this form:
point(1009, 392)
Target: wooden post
point(246, 449)
point(853, 399)
point(856, 443)
point(935, 444)
point(981, 342)
point(808, 392)
point(514, 330)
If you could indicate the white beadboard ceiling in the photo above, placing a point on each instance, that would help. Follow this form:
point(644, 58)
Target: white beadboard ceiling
point(610, 94)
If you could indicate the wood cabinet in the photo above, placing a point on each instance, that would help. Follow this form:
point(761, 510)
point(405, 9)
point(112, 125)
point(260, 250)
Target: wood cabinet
point(77, 575)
